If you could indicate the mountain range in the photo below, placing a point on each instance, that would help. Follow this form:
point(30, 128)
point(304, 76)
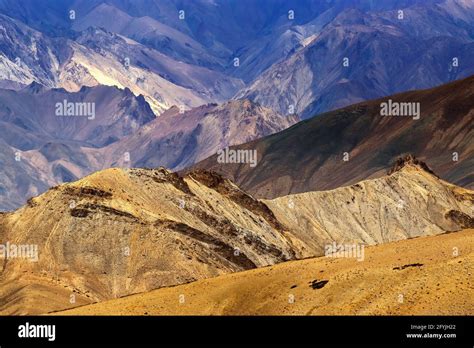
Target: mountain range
point(42, 148)
point(124, 231)
point(345, 146)
point(362, 55)
point(98, 57)
point(291, 58)
point(291, 66)
point(231, 145)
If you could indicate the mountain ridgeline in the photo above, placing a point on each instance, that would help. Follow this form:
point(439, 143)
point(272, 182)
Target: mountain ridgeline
point(351, 144)
point(124, 231)
point(45, 141)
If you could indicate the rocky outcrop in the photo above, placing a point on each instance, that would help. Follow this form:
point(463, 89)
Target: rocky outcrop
point(409, 160)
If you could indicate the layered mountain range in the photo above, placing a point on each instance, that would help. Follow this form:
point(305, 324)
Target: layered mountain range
point(302, 57)
point(123, 231)
point(42, 147)
point(358, 142)
point(147, 144)
point(232, 83)
point(98, 57)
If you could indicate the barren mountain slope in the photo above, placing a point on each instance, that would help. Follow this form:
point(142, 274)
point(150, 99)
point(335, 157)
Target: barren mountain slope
point(119, 232)
point(356, 143)
point(176, 140)
point(421, 276)
point(410, 202)
point(111, 59)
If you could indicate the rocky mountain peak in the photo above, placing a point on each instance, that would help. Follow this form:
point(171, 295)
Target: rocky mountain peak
point(35, 88)
point(409, 159)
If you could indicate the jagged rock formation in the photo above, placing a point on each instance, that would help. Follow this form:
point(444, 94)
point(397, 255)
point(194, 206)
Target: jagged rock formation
point(409, 160)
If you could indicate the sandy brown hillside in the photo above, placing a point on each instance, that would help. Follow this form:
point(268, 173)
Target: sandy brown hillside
point(409, 202)
point(124, 231)
point(311, 155)
point(118, 232)
point(422, 276)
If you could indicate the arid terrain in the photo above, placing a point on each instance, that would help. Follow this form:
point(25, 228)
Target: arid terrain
point(355, 143)
point(419, 276)
point(236, 157)
point(125, 231)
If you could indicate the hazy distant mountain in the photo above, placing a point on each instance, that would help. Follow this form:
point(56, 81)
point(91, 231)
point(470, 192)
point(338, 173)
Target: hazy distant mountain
point(178, 140)
point(123, 132)
point(114, 60)
point(108, 114)
point(211, 34)
point(151, 33)
point(355, 143)
point(290, 55)
point(363, 55)
point(27, 55)
point(100, 57)
point(42, 148)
